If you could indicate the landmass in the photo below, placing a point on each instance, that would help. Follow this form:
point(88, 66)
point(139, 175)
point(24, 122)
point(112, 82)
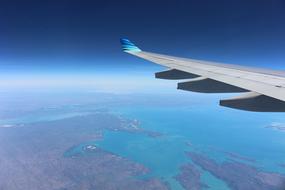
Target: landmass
point(277, 126)
point(239, 157)
point(232, 155)
point(190, 178)
point(189, 143)
point(33, 157)
point(239, 176)
point(134, 127)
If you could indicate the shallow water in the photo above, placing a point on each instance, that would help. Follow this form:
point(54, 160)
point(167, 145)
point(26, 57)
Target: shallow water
point(213, 131)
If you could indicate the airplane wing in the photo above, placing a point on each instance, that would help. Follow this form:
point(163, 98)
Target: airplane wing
point(261, 90)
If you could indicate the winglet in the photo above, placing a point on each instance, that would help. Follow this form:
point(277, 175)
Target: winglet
point(128, 46)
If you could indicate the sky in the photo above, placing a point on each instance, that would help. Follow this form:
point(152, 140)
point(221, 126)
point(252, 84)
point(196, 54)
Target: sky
point(75, 38)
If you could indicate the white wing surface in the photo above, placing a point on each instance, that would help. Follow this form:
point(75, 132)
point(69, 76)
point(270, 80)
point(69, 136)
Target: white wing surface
point(262, 90)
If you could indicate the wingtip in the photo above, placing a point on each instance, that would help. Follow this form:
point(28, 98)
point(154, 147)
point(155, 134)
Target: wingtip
point(128, 46)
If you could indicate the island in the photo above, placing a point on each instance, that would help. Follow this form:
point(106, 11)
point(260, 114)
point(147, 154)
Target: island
point(190, 177)
point(239, 157)
point(277, 126)
point(238, 175)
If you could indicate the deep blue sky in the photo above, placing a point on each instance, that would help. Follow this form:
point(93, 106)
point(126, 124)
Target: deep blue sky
point(73, 35)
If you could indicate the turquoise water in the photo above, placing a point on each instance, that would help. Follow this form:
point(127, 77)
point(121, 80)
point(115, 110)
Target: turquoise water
point(160, 155)
point(212, 131)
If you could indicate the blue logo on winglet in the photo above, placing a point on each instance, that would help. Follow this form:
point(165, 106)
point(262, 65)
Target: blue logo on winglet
point(127, 45)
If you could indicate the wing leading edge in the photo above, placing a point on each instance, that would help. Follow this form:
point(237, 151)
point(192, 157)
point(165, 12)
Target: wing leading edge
point(262, 90)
